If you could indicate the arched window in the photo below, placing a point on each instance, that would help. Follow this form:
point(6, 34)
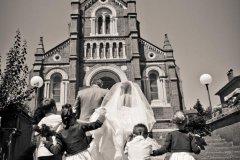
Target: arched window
point(107, 50)
point(114, 50)
point(102, 51)
point(107, 22)
point(120, 50)
point(104, 21)
point(94, 51)
point(100, 25)
point(156, 89)
point(153, 85)
point(88, 50)
point(56, 80)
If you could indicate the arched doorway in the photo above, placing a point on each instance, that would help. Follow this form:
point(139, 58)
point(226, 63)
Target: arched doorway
point(109, 78)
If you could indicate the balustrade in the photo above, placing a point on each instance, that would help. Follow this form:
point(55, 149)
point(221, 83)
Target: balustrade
point(107, 50)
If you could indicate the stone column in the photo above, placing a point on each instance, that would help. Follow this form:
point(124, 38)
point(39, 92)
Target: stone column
point(117, 48)
point(111, 26)
point(164, 90)
point(124, 51)
point(85, 51)
point(93, 26)
point(98, 53)
point(46, 89)
point(104, 50)
point(159, 86)
point(114, 26)
point(91, 51)
point(111, 50)
point(104, 25)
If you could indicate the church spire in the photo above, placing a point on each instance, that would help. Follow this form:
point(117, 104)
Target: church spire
point(38, 58)
point(40, 50)
point(40, 47)
point(167, 45)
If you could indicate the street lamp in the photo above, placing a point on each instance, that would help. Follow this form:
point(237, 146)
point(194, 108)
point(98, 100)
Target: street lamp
point(206, 79)
point(36, 82)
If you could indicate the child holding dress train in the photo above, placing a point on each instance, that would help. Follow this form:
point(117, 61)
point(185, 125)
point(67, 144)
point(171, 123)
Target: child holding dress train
point(72, 138)
point(180, 143)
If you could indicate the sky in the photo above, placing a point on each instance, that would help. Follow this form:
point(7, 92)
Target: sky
point(205, 35)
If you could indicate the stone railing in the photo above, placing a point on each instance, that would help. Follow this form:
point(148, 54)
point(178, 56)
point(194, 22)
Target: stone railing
point(224, 112)
point(107, 49)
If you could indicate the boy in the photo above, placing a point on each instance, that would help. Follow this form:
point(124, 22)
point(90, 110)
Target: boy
point(137, 147)
point(53, 121)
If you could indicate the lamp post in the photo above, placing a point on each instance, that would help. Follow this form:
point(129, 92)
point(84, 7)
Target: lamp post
point(206, 79)
point(36, 82)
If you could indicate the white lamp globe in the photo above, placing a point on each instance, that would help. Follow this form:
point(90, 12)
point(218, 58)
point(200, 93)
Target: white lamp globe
point(36, 81)
point(205, 79)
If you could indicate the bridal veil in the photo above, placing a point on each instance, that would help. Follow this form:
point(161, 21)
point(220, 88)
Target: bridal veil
point(125, 106)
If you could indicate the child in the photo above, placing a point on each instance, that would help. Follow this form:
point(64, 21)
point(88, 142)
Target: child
point(72, 138)
point(138, 147)
point(179, 142)
point(51, 120)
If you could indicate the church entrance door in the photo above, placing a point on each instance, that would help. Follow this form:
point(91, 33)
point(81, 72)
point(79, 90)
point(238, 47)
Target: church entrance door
point(109, 78)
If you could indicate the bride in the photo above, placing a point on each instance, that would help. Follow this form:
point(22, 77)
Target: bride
point(125, 107)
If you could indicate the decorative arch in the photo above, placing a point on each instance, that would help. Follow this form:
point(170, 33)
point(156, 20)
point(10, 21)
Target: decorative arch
point(161, 73)
point(98, 68)
point(104, 21)
point(155, 82)
point(114, 13)
point(62, 88)
point(60, 71)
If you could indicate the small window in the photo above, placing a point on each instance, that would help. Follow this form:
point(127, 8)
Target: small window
point(153, 86)
point(56, 87)
point(57, 57)
point(120, 50)
point(108, 24)
point(151, 55)
point(100, 25)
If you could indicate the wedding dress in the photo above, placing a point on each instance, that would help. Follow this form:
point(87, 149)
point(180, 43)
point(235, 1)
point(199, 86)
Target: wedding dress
point(125, 106)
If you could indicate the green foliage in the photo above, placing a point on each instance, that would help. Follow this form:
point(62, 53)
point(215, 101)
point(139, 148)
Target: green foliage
point(13, 86)
point(197, 123)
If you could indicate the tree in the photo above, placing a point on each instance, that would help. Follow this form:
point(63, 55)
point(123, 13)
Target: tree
point(197, 123)
point(13, 85)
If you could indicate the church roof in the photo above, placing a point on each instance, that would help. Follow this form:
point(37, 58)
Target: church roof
point(233, 81)
point(88, 3)
point(56, 49)
point(152, 46)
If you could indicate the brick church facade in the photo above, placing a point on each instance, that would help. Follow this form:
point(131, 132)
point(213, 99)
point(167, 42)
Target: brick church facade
point(105, 43)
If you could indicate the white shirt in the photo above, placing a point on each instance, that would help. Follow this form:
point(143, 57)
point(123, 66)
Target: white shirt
point(138, 149)
point(54, 122)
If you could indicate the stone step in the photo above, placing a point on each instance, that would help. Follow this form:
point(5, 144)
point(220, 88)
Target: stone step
point(212, 137)
point(225, 154)
point(215, 141)
point(218, 149)
point(220, 144)
point(219, 158)
point(221, 149)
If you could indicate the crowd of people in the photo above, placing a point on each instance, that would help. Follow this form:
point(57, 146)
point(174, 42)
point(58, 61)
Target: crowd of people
point(107, 125)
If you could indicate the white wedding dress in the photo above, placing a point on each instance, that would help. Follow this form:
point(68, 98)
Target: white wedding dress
point(125, 107)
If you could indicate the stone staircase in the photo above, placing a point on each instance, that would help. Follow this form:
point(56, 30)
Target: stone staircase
point(219, 149)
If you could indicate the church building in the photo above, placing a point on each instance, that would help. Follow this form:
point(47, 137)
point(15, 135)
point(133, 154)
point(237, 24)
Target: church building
point(105, 43)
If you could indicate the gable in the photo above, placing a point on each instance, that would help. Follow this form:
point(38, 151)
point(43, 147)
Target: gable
point(150, 51)
point(89, 3)
point(58, 54)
